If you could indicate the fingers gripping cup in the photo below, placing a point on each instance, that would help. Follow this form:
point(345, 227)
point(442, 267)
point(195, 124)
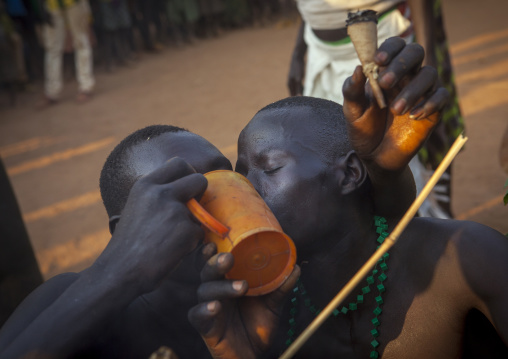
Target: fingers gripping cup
point(240, 222)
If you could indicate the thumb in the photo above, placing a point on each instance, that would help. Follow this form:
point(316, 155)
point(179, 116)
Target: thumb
point(208, 319)
point(355, 99)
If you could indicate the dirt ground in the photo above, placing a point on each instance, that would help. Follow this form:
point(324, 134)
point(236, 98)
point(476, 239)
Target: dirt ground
point(213, 88)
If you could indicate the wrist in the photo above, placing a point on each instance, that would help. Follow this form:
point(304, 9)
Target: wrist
point(112, 280)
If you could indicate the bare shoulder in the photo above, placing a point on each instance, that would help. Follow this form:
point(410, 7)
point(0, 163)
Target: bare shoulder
point(482, 253)
point(467, 235)
point(42, 297)
point(479, 252)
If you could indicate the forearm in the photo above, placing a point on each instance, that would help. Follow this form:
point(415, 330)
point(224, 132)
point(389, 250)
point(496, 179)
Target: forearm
point(297, 65)
point(300, 45)
point(74, 319)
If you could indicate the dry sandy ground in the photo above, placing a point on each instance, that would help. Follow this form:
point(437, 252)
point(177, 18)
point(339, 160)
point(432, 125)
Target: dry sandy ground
point(213, 88)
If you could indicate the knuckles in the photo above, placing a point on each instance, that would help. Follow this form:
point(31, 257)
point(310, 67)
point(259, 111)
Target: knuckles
point(203, 292)
point(415, 49)
point(392, 46)
point(180, 167)
point(443, 96)
point(429, 72)
point(185, 236)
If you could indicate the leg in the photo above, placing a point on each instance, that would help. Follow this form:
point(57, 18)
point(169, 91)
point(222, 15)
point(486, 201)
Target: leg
point(20, 58)
point(78, 16)
point(108, 49)
point(144, 8)
point(54, 37)
point(124, 27)
point(136, 26)
point(157, 12)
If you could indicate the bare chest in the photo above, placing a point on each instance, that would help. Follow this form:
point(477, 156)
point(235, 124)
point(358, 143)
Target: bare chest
point(400, 323)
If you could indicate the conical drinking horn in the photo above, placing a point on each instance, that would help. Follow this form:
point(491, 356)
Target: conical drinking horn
point(362, 29)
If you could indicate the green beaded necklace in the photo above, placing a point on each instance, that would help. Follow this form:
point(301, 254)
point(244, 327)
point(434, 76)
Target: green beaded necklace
point(378, 273)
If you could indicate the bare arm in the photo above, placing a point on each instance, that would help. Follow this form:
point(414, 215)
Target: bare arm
point(483, 254)
point(155, 232)
point(297, 65)
point(36, 302)
point(387, 139)
point(69, 322)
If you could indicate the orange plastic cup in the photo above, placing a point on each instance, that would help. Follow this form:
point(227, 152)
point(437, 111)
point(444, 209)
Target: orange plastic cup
point(239, 221)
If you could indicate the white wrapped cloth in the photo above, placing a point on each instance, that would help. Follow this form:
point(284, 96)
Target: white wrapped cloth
point(332, 14)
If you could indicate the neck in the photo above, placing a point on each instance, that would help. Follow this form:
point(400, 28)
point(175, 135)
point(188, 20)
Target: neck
point(330, 267)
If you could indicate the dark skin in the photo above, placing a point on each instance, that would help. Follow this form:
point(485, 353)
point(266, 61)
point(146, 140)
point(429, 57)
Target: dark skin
point(439, 271)
point(127, 297)
point(151, 312)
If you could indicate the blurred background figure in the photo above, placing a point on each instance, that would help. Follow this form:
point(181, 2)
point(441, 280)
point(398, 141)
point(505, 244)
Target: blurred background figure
point(149, 14)
point(331, 58)
point(25, 16)
point(12, 60)
point(211, 16)
point(258, 10)
point(236, 13)
point(74, 15)
point(182, 18)
point(114, 26)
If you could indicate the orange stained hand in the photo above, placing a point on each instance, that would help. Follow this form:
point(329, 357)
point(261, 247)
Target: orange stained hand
point(388, 137)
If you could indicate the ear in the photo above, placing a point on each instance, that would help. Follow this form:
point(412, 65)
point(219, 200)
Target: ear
point(113, 220)
point(352, 172)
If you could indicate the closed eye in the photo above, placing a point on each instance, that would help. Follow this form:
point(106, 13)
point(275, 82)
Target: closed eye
point(272, 171)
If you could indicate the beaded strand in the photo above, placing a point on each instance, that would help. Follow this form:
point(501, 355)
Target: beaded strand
point(378, 273)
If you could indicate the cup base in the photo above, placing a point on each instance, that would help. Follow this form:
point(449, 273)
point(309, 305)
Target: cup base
point(264, 260)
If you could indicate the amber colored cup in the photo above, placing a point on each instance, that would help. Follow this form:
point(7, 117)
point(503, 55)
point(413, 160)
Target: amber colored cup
point(238, 221)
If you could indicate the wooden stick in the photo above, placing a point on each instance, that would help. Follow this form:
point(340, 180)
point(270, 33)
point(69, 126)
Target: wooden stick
point(376, 90)
point(387, 244)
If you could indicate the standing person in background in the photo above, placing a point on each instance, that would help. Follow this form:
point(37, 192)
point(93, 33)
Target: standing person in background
point(74, 14)
point(25, 15)
point(260, 10)
point(12, 64)
point(256, 10)
point(331, 57)
point(211, 16)
point(148, 11)
point(236, 13)
point(182, 18)
point(115, 22)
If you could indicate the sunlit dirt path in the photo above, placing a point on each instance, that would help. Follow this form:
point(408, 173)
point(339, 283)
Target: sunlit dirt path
point(213, 88)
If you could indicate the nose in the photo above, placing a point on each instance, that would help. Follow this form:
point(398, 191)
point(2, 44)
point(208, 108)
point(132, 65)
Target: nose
point(254, 181)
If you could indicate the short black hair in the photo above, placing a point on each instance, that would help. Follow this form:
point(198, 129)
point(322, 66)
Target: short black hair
point(116, 180)
point(333, 134)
